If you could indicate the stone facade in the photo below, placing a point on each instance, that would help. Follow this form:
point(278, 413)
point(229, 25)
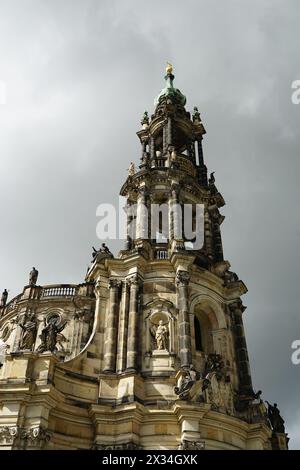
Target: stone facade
point(150, 351)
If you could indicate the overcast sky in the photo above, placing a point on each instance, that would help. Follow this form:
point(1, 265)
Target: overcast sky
point(78, 76)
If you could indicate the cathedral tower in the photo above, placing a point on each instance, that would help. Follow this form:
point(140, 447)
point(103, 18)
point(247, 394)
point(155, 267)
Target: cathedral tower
point(150, 351)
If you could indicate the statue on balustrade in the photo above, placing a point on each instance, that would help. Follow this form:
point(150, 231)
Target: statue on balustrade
point(275, 418)
point(131, 169)
point(29, 328)
point(33, 276)
point(49, 336)
point(4, 298)
point(103, 250)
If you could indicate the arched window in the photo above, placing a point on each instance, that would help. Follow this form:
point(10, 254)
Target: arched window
point(198, 337)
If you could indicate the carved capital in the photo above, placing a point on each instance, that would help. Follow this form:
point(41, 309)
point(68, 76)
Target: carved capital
point(8, 434)
point(35, 433)
point(182, 278)
point(114, 283)
point(134, 280)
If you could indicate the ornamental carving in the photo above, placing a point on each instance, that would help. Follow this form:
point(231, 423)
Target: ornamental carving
point(8, 434)
point(124, 446)
point(191, 445)
point(35, 433)
point(182, 278)
point(134, 280)
point(114, 283)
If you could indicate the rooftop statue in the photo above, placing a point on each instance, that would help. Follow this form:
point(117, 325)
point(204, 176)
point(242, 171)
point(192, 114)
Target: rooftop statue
point(33, 276)
point(4, 298)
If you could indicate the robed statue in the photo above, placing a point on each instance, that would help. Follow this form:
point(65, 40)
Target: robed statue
point(49, 336)
point(29, 330)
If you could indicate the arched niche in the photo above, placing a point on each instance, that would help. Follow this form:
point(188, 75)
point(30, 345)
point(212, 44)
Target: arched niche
point(207, 320)
point(160, 309)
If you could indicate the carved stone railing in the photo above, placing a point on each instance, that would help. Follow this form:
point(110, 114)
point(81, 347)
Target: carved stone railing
point(61, 290)
point(49, 291)
point(11, 305)
point(161, 254)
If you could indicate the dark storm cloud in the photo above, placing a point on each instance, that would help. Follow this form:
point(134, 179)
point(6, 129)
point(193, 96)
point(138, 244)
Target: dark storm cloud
point(79, 75)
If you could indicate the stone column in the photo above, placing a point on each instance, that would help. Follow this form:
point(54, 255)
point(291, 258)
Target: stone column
point(123, 328)
point(110, 346)
point(129, 235)
point(202, 170)
point(142, 216)
point(207, 233)
point(185, 347)
point(200, 152)
point(152, 149)
point(191, 151)
point(133, 322)
point(165, 141)
point(175, 217)
point(218, 248)
point(237, 309)
point(169, 131)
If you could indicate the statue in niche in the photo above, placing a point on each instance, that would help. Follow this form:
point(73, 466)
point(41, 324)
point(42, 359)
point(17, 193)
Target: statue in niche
point(50, 334)
point(29, 331)
point(33, 276)
point(160, 335)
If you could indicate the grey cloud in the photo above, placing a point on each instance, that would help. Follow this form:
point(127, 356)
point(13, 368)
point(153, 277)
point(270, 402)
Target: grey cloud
point(80, 74)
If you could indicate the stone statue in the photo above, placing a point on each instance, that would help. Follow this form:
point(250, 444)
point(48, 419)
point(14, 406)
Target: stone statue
point(29, 331)
point(145, 120)
point(3, 348)
point(144, 160)
point(214, 365)
point(161, 336)
point(212, 179)
point(104, 249)
point(196, 115)
point(33, 276)
point(185, 383)
point(4, 298)
point(131, 169)
point(49, 335)
point(276, 420)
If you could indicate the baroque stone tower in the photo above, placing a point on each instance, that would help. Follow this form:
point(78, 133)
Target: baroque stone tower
point(150, 351)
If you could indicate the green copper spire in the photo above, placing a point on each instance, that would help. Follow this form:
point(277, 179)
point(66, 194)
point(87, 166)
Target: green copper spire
point(170, 90)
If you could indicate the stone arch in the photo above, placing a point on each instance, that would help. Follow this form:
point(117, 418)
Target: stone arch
point(211, 318)
point(211, 308)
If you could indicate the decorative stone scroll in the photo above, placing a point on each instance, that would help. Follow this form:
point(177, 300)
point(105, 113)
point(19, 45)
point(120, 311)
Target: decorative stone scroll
point(191, 445)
